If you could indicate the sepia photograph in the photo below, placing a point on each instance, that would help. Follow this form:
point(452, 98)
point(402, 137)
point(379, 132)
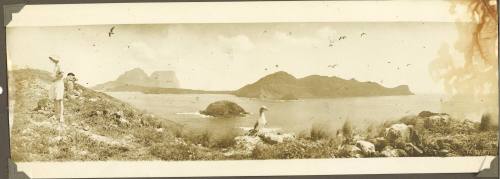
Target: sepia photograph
point(256, 91)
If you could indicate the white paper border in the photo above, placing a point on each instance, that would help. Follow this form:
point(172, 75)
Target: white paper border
point(344, 166)
point(233, 12)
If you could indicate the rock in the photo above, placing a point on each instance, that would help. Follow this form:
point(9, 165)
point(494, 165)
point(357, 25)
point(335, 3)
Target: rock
point(396, 131)
point(159, 130)
point(351, 151)
point(413, 150)
point(224, 109)
point(86, 128)
point(443, 152)
point(437, 120)
point(357, 137)
point(379, 143)
point(401, 153)
point(274, 138)
point(120, 118)
point(389, 152)
point(244, 145)
point(367, 148)
point(93, 99)
point(402, 132)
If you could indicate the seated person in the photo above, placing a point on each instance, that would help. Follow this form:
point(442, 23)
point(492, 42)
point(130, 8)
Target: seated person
point(70, 84)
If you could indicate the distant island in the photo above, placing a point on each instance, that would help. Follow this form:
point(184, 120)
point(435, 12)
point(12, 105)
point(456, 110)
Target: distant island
point(137, 77)
point(279, 85)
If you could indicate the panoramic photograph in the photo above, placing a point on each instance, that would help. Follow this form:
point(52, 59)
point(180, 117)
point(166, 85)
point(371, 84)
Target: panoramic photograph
point(254, 91)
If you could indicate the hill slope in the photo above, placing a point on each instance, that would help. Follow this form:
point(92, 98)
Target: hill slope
point(97, 127)
point(282, 85)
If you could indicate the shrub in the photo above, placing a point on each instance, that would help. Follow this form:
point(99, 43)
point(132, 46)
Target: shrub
point(319, 132)
point(225, 139)
point(347, 131)
point(486, 122)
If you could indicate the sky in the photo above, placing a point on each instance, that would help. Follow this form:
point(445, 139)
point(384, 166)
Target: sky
point(229, 56)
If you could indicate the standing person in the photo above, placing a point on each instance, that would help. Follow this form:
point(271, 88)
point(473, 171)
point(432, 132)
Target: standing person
point(57, 89)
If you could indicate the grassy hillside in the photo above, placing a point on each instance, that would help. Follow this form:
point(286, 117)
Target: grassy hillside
point(96, 127)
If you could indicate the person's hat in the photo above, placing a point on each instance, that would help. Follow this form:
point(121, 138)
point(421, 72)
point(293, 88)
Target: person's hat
point(55, 58)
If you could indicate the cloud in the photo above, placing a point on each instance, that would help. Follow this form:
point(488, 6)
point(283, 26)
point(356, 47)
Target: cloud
point(239, 42)
point(327, 32)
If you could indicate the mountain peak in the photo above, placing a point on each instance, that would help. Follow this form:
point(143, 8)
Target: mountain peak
point(279, 76)
point(137, 77)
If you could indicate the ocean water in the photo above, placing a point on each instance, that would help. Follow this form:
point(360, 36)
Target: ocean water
point(293, 116)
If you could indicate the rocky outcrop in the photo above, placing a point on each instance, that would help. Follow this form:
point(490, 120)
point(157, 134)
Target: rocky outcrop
point(224, 109)
point(274, 138)
point(137, 78)
point(245, 144)
point(281, 85)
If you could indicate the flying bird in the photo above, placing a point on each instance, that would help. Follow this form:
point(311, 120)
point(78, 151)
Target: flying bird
point(111, 31)
point(261, 122)
point(408, 65)
point(342, 37)
point(331, 43)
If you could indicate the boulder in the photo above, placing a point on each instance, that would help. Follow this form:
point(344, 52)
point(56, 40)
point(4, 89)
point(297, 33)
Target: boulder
point(391, 152)
point(402, 133)
point(224, 109)
point(245, 145)
point(351, 151)
point(397, 131)
point(437, 120)
point(367, 148)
